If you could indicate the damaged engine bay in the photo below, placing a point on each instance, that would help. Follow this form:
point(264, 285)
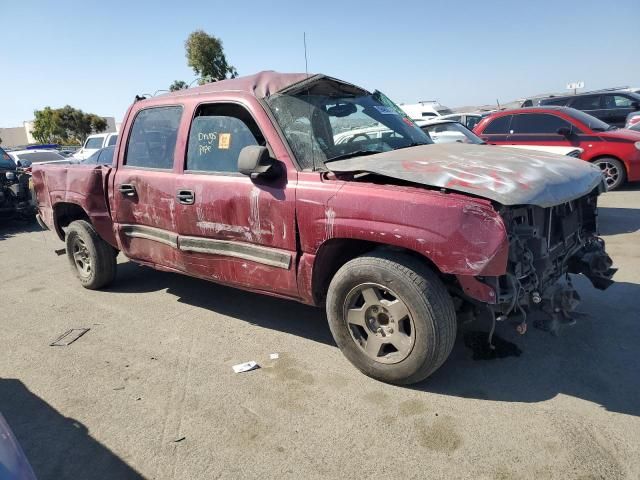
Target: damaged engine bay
point(546, 245)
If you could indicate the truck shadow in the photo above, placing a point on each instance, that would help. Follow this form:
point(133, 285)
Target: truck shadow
point(613, 221)
point(56, 446)
point(595, 360)
point(269, 312)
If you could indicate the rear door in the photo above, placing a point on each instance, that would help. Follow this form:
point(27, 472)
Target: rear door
point(591, 104)
point(144, 188)
point(233, 229)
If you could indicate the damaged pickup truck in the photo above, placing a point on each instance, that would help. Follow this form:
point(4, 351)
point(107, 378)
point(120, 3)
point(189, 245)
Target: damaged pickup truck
point(240, 182)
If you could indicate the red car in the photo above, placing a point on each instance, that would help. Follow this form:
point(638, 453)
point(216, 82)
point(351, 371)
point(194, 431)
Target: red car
point(616, 151)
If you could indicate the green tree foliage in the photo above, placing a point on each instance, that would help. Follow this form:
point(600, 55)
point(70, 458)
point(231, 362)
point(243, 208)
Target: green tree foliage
point(178, 85)
point(66, 125)
point(206, 56)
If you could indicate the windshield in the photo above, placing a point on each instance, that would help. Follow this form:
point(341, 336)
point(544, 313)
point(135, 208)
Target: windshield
point(321, 127)
point(36, 157)
point(6, 162)
point(451, 132)
point(590, 121)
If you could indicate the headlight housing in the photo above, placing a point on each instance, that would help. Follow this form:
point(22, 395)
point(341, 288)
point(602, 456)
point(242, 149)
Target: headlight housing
point(12, 176)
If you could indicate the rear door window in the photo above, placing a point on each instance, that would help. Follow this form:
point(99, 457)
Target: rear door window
point(498, 126)
point(95, 142)
point(217, 136)
point(537, 123)
point(554, 101)
point(588, 102)
point(152, 140)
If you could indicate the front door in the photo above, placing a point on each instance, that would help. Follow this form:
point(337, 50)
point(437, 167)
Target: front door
point(233, 229)
point(144, 201)
point(542, 129)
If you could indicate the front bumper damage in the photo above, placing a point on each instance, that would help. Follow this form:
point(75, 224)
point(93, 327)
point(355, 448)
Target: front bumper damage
point(545, 246)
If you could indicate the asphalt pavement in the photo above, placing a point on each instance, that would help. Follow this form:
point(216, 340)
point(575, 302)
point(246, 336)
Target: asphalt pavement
point(149, 392)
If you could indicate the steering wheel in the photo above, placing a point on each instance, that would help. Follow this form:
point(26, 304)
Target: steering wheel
point(366, 137)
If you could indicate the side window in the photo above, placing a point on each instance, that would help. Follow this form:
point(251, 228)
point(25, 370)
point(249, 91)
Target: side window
point(472, 121)
point(95, 142)
point(537, 123)
point(617, 101)
point(112, 141)
point(218, 134)
point(554, 101)
point(498, 126)
point(591, 102)
point(152, 140)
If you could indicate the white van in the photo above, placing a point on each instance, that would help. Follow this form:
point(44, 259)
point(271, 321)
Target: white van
point(95, 142)
point(425, 110)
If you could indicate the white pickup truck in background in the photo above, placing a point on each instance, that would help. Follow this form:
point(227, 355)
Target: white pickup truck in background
point(95, 142)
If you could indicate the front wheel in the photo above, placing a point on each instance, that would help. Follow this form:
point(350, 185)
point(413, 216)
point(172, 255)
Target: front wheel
point(613, 171)
point(91, 258)
point(391, 316)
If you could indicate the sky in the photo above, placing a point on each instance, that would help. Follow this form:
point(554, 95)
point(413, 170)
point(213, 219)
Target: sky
point(97, 56)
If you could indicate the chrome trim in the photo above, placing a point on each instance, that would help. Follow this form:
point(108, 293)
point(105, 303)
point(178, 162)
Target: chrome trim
point(150, 233)
point(246, 251)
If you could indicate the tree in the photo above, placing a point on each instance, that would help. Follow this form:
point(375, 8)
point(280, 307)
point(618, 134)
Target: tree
point(206, 56)
point(178, 85)
point(65, 125)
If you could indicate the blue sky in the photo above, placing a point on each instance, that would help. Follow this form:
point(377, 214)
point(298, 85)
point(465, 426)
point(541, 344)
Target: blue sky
point(97, 55)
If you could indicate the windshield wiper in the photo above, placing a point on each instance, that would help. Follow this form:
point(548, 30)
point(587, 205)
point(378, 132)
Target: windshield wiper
point(357, 153)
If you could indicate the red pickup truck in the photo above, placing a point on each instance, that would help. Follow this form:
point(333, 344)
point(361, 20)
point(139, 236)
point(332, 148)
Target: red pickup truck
point(240, 182)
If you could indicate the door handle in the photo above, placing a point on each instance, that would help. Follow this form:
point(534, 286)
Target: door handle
point(186, 197)
point(127, 190)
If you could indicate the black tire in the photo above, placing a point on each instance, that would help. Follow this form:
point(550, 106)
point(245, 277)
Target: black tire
point(82, 240)
point(613, 170)
point(429, 305)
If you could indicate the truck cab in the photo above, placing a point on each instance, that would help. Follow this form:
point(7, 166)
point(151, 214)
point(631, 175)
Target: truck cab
point(248, 183)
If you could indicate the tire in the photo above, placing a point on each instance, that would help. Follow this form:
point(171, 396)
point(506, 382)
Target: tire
point(430, 317)
point(613, 170)
point(91, 258)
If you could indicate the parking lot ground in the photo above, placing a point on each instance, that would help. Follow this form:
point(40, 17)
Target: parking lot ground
point(149, 391)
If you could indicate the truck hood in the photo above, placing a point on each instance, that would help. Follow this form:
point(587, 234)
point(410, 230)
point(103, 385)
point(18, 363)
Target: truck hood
point(505, 175)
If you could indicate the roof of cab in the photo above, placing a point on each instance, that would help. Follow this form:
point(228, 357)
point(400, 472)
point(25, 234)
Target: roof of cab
point(260, 85)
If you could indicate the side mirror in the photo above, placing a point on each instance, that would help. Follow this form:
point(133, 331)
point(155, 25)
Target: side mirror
point(635, 105)
point(255, 161)
point(564, 131)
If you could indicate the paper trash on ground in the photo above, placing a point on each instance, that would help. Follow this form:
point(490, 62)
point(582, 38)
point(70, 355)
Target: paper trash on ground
point(245, 367)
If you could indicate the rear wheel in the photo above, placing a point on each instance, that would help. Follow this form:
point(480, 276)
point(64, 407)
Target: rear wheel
point(91, 258)
point(391, 316)
point(613, 171)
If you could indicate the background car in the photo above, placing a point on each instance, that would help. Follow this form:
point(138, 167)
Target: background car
point(611, 107)
point(26, 158)
point(632, 119)
point(95, 142)
point(469, 120)
point(615, 151)
point(447, 131)
point(104, 156)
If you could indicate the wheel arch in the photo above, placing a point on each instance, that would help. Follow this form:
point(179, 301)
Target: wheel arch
point(335, 252)
point(66, 212)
